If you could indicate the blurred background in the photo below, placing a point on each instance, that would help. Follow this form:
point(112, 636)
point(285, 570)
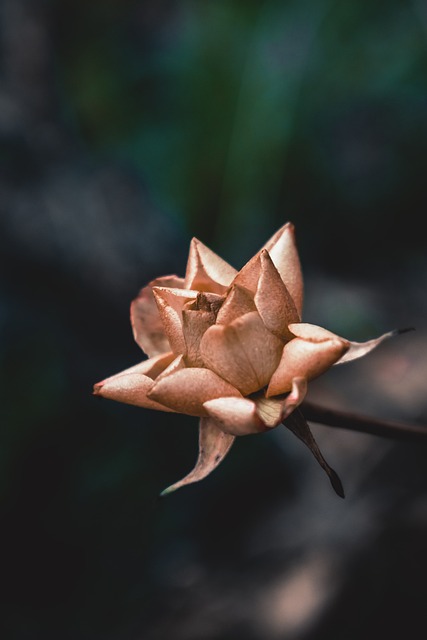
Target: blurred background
point(127, 127)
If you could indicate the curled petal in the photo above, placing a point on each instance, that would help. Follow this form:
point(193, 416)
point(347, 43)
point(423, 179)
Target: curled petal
point(244, 352)
point(186, 390)
point(305, 359)
point(296, 423)
point(206, 271)
point(237, 303)
point(360, 349)
point(132, 385)
point(237, 416)
point(214, 445)
point(170, 303)
point(147, 325)
point(283, 251)
point(273, 301)
point(273, 411)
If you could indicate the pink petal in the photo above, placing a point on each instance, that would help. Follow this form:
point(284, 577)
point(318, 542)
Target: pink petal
point(244, 352)
point(312, 332)
point(273, 411)
point(187, 389)
point(237, 416)
point(206, 271)
point(170, 303)
point(194, 326)
point(273, 301)
point(214, 445)
point(237, 303)
point(360, 349)
point(248, 276)
point(132, 385)
point(284, 254)
point(146, 323)
point(304, 359)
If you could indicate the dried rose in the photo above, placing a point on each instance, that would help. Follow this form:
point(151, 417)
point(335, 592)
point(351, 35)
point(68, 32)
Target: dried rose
point(230, 348)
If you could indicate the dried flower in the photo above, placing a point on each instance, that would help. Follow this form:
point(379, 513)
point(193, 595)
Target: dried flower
point(229, 347)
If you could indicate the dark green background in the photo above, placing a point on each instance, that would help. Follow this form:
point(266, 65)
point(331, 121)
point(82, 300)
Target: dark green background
point(127, 127)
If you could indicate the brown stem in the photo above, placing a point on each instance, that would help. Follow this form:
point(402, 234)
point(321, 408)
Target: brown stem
point(356, 422)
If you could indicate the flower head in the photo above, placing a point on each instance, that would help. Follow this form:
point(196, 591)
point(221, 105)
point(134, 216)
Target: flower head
point(230, 347)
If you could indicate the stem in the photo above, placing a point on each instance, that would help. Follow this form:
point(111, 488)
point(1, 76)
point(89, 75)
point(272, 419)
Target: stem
point(356, 422)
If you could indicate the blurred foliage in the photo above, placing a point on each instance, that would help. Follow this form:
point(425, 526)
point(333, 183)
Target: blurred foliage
point(240, 115)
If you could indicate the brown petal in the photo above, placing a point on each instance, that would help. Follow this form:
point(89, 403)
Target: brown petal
point(273, 411)
point(273, 300)
point(170, 303)
point(146, 323)
point(283, 251)
point(214, 445)
point(298, 425)
point(237, 416)
point(306, 359)
point(132, 385)
point(206, 271)
point(248, 276)
point(244, 352)
point(312, 332)
point(360, 349)
point(194, 325)
point(186, 390)
point(237, 303)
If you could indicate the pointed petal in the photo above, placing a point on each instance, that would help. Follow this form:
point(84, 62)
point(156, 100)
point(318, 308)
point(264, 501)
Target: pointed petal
point(360, 349)
point(237, 416)
point(283, 251)
point(296, 423)
point(186, 390)
point(305, 359)
point(146, 323)
point(194, 326)
point(214, 445)
point(273, 301)
point(237, 303)
point(244, 352)
point(206, 271)
point(273, 411)
point(170, 302)
point(132, 385)
point(248, 276)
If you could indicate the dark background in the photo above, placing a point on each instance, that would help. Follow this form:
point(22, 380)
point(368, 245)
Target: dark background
point(126, 127)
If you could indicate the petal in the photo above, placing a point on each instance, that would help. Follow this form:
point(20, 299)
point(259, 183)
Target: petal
point(273, 301)
point(170, 302)
point(312, 332)
point(206, 271)
point(283, 251)
point(296, 423)
point(244, 352)
point(194, 326)
point(132, 385)
point(360, 349)
point(237, 416)
point(214, 445)
point(248, 276)
point(273, 411)
point(237, 303)
point(146, 323)
point(306, 359)
point(186, 390)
